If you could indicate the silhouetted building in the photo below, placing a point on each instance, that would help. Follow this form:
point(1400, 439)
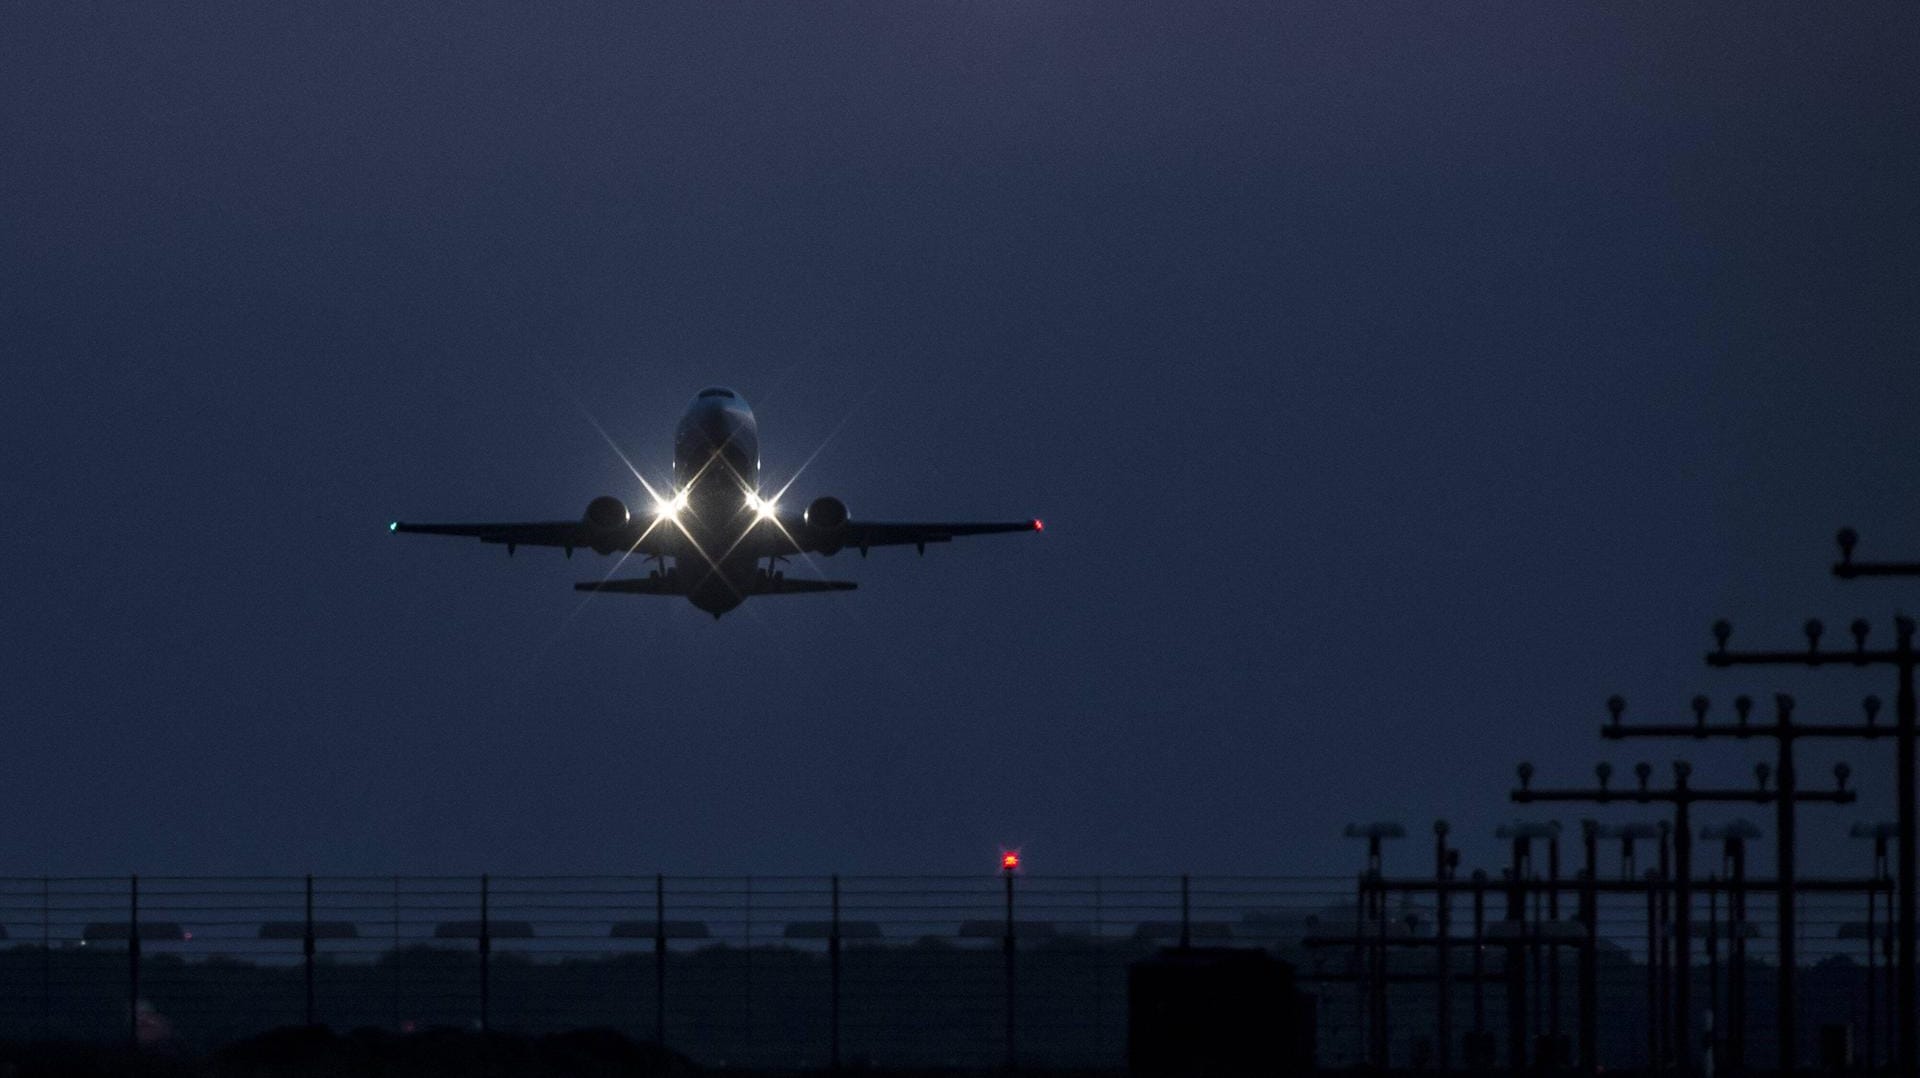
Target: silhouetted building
point(322, 930)
point(118, 932)
point(1217, 1011)
point(997, 929)
point(673, 930)
point(470, 930)
point(819, 930)
point(1151, 931)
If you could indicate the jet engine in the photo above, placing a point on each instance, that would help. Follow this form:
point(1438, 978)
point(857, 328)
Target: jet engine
point(826, 518)
point(605, 517)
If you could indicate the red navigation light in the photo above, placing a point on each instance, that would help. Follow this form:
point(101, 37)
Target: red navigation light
point(1010, 860)
point(1038, 526)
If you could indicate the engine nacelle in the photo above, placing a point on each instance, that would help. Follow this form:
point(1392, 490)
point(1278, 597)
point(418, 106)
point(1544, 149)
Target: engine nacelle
point(605, 517)
point(826, 519)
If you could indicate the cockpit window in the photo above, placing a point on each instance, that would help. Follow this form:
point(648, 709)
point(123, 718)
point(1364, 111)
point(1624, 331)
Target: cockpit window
point(717, 391)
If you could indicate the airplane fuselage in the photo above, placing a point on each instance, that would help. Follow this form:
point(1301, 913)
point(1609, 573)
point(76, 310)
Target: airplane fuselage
point(716, 478)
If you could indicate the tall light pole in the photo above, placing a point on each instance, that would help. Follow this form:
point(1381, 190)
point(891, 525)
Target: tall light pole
point(1784, 731)
point(1682, 796)
point(1009, 866)
point(1733, 837)
point(1907, 983)
point(1903, 658)
point(1445, 861)
point(1879, 832)
point(1521, 835)
point(1373, 903)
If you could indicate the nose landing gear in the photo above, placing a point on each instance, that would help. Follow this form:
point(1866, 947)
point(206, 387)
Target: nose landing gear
point(771, 575)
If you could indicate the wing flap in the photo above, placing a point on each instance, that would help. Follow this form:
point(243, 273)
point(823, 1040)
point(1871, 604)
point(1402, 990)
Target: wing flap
point(790, 586)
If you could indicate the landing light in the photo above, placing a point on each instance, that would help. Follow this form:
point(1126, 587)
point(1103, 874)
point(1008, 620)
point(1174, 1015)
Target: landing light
point(669, 507)
point(763, 508)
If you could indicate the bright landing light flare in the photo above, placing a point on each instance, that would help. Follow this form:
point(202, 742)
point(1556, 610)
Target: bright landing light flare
point(670, 507)
point(763, 508)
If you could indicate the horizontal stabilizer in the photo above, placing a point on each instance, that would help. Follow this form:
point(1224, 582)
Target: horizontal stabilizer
point(671, 585)
point(790, 586)
point(651, 585)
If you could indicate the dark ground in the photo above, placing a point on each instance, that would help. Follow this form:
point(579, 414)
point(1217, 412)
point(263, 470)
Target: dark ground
point(298, 1052)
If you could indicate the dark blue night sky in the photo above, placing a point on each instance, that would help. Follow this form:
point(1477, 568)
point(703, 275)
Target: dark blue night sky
point(1395, 381)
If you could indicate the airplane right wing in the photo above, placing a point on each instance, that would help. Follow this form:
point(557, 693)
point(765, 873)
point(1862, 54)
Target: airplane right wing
point(864, 534)
point(797, 536)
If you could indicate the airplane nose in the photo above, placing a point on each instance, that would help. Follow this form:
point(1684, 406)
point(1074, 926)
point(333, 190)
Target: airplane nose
point(716, 427)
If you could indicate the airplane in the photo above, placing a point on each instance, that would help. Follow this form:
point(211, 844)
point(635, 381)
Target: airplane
point(707, 535)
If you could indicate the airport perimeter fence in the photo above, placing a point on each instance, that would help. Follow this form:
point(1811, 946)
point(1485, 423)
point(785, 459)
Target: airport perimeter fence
point(798, 972)
point(743, 971)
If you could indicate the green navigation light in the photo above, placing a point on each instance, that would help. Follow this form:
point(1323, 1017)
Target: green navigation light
point(394, 527)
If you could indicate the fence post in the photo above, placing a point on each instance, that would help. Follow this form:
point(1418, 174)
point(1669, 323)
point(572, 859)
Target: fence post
point(660, 959)
point(133, 960)
point(1362, 962)
point(1186, 913)
point(833, 975)
point(46, 958)
point(396, 952)
point(1008, 948)
point(1480, 968)
point(486, 949)
point(746, 995)
point(1653, 971)
point(1443, 958)
point(1100, 961)
point(306, 943)
point(1590, 952)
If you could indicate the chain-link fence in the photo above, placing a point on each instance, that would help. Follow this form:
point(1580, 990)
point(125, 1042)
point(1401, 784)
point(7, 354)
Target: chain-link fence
point(891, 970)
point(786, 971)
